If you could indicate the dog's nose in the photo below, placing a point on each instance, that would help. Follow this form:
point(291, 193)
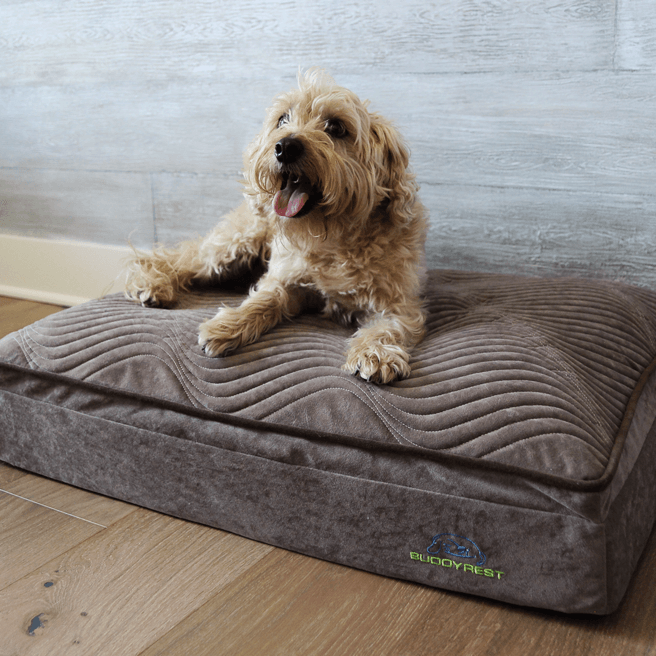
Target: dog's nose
point(289, 150)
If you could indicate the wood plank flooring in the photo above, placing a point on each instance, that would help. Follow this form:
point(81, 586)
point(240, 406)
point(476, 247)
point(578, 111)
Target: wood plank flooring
point(83, 574)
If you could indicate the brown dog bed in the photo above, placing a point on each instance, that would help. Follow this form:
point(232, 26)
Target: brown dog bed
point(515, 463)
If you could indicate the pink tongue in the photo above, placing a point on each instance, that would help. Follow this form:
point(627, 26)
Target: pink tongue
point(286, 203)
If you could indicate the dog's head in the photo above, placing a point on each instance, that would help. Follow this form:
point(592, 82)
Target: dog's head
point(322, 154)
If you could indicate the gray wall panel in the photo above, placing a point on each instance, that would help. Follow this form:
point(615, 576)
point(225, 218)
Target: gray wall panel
point(532, 124)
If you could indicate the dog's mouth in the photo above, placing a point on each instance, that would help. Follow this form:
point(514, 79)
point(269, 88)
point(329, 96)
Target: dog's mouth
point(296, 197)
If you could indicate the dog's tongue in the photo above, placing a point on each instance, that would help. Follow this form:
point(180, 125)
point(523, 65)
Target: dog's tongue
point(290, 200)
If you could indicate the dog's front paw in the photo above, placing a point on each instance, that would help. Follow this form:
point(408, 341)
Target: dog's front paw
point(149, 297)
point(148, 286)
point(377, 363)
point(223, 333)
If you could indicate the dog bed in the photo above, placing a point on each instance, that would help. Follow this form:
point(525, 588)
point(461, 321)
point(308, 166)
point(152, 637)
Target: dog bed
point(515, 463)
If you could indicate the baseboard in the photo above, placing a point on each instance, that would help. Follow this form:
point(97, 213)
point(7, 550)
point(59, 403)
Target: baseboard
point(58, 271)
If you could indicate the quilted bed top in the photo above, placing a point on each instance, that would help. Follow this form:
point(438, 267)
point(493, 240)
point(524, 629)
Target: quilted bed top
point(535, 373)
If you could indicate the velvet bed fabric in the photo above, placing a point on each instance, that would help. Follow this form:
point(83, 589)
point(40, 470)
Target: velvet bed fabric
point(515, 463)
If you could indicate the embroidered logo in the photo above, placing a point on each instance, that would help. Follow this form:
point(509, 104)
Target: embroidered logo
point(456, 545)
point(454, 552)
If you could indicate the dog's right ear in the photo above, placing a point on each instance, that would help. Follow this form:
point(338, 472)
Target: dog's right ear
point(393, 176)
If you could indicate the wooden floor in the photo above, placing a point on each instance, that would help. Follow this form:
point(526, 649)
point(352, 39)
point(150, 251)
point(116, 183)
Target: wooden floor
point(83, 574)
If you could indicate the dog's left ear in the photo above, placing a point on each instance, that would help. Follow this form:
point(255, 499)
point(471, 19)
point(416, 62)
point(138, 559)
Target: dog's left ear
point(396, 182)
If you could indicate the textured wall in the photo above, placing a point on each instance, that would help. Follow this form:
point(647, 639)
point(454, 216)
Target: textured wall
point(532, 123)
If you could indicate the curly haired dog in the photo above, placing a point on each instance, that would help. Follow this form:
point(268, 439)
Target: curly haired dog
point(332, 209)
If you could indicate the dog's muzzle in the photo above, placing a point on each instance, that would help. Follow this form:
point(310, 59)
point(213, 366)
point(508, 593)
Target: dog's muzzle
point(289, 150)
point(297, 193)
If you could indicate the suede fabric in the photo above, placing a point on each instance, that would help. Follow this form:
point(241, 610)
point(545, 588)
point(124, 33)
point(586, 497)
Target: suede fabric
point(515, 463)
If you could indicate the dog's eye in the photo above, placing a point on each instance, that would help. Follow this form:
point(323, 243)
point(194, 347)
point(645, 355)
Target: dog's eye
point(283, 119)
point(335, 128)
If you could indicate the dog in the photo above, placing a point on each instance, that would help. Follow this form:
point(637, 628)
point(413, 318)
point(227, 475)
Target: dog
point(331, 208)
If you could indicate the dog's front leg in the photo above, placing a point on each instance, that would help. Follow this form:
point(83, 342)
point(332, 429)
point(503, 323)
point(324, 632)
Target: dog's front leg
point(379, 350)
point(154, 279)
point(267, 305)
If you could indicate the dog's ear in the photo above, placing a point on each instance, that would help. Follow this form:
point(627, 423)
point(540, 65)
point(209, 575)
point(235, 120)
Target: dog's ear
point(393, 176)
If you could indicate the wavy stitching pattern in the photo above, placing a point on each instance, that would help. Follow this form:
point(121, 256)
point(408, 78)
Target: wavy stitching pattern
point(576, 347)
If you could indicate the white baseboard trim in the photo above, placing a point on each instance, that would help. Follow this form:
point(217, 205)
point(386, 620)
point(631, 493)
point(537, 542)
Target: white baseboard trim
point(53, 298)
point(58, 271)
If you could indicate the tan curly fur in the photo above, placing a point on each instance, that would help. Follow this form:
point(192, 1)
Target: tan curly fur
point(331, 207)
